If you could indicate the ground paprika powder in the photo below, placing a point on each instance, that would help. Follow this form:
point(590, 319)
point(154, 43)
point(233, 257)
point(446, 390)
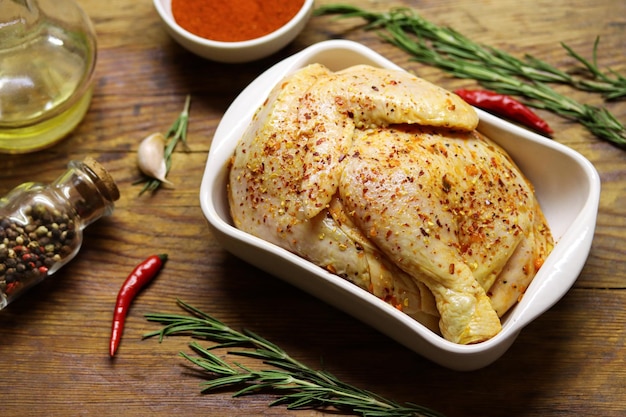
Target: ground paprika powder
point(233, 20)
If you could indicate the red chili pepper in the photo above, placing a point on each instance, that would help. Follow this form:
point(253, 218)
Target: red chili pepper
point(138, 278)
point(506, 106)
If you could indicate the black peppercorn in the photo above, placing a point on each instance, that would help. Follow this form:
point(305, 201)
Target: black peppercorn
point(21, 251)
point(40, 226)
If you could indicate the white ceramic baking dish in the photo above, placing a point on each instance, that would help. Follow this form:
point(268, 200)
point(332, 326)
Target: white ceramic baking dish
point(567, 186)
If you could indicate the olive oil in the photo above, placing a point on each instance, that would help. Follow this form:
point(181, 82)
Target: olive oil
point(46, 133)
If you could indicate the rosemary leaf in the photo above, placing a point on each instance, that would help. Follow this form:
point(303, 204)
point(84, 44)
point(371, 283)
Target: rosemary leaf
point(497, 70)
point(296, 385)
point(611, 84)
point(210, 362)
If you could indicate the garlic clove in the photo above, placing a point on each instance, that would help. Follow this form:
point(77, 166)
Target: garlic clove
point(151, 157)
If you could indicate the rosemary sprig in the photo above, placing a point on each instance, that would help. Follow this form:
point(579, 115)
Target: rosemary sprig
point(611, 84)
point(296, 385)
point(497, 70)
point(176, 133)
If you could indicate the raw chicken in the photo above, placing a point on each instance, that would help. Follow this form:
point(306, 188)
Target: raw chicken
point(380, 177)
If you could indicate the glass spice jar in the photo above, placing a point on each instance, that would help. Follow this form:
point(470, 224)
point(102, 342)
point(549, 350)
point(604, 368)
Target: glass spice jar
point(47, 63)
point(41, 225)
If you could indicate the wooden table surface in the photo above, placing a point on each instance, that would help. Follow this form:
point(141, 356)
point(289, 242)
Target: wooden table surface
point(54, 341)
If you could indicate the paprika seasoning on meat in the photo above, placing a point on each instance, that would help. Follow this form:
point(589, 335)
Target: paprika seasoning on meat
point(234, 20)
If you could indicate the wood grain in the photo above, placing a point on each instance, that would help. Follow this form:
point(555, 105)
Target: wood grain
point(53, 341)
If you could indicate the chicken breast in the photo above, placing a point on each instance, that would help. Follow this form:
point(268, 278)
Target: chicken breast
point(451, 209)
point(380, 177)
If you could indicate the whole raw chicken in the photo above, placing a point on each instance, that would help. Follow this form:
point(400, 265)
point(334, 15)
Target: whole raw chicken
point(381, 178)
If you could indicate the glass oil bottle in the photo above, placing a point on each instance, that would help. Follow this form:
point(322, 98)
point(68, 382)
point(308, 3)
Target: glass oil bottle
point(47, 61)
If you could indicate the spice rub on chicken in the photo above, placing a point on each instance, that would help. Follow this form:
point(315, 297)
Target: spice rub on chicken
point(381, 178)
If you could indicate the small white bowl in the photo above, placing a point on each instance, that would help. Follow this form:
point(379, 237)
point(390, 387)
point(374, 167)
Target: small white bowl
point(567, 186)
point(234, 52)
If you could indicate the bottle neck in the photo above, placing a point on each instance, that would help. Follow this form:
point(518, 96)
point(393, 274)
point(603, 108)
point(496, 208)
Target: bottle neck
point(90, 192)
point(17, 19)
